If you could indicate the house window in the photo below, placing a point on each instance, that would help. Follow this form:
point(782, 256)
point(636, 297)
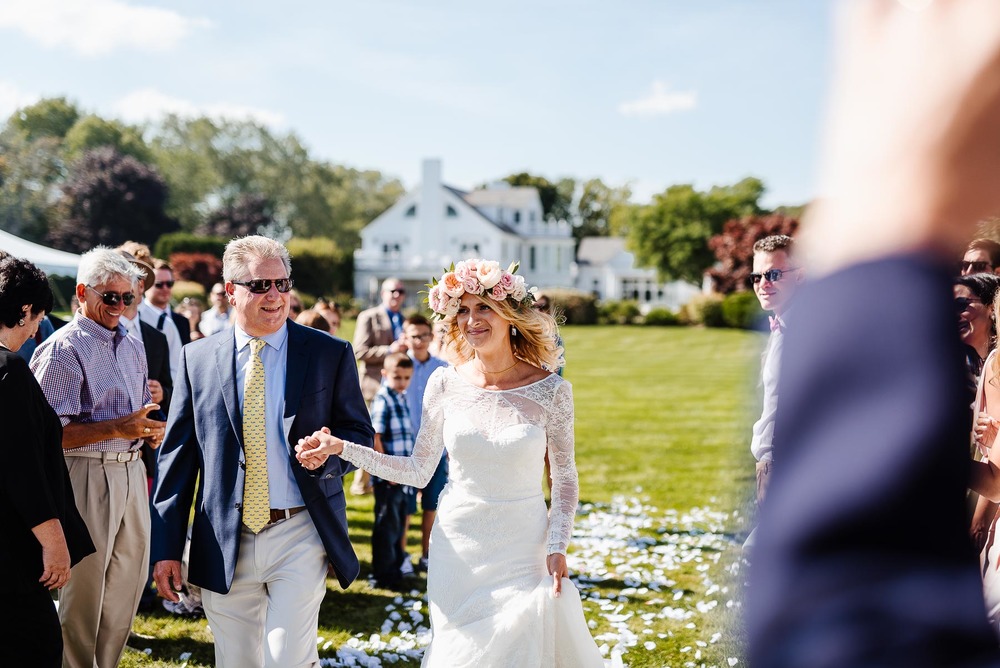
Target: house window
point(531, 258)
point(412, 211)
point(451, 212)
point(391, 251)
point(470, 249)
point(531, 216)
point(517, 216)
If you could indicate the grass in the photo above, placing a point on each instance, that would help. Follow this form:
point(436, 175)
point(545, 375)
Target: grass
point(662, 424)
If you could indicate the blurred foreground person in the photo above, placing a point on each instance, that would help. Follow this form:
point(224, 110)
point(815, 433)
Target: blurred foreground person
point(44, 533)
point(982, 256)
point(862, 554)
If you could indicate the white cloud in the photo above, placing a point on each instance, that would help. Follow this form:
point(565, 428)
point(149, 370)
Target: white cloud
point(13, 98)
point(98, 27)
point(659, 102)
point(150, 104)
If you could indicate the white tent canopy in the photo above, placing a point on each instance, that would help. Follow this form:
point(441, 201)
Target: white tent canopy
point(49, 260)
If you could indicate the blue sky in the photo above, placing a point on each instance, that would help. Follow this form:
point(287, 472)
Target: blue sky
point(649, 92)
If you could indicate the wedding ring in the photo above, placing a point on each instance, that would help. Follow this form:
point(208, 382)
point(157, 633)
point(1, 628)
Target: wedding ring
point(146, 430)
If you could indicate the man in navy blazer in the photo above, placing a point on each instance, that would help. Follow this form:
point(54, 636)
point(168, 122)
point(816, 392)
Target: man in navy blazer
point(262, 587)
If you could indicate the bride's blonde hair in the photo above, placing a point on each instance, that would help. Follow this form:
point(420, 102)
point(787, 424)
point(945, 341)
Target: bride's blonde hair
point(536, 340)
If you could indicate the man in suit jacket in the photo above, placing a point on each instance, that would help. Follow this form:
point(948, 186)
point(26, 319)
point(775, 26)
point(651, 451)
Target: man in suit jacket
point(264, 527)
point(155, 310)
point(378, 333)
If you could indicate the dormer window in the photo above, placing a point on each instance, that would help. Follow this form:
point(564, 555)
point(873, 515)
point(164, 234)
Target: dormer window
point(412, 211)
point(451, 212)
point(517, 216)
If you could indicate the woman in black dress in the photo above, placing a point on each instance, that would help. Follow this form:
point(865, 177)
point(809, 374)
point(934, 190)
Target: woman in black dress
point(44, 532)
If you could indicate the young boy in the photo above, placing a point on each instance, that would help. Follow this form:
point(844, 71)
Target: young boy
point(394, 435)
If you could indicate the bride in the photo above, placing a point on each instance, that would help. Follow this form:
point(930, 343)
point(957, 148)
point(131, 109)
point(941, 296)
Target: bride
point(497, 584)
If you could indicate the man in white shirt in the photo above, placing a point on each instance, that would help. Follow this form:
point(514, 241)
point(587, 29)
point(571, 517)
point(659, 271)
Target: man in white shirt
point(155, 311)
point(216, 318)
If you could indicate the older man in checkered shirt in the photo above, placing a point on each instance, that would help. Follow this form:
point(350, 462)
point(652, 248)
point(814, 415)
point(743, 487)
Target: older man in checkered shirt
point(94, 376)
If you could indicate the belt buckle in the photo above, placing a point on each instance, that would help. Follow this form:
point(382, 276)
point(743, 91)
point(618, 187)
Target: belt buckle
point(128, 457)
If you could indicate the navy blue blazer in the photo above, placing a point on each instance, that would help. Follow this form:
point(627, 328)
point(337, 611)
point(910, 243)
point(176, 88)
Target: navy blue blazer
point(203, 443)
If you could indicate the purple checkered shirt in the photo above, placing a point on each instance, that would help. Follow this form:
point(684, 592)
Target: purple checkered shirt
point(92, 374)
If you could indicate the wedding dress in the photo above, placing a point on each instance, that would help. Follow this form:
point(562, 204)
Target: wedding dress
point(490, 594)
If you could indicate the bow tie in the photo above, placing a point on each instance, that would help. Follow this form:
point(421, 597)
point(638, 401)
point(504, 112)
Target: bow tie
point(776, 324)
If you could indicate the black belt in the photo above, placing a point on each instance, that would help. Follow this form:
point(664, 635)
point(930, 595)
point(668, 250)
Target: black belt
point(278, 514)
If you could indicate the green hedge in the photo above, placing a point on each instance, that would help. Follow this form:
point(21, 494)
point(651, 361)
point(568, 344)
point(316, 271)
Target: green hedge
point(576, 306)
point(615, 312)
point(320, 267)
point(741, 310)
point(661, 317)
point(703, 309)
point(186, 242)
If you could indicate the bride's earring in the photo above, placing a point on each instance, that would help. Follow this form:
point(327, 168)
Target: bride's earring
point(513, 331)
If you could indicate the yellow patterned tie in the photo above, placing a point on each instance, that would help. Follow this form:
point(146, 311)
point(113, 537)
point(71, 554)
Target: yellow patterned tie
point(256, 504)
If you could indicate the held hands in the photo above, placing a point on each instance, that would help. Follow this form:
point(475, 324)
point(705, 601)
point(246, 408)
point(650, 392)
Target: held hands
point(167, 575)
point(312, 451)
point(985, 433)
point(140, 425)
point(556, 563)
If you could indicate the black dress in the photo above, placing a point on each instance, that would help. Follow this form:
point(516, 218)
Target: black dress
point(34, 488)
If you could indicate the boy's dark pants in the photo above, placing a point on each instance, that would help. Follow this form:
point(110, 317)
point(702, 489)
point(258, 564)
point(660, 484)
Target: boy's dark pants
point(390, 513)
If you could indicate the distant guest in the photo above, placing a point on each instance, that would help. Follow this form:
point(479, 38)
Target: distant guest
point(312, 318)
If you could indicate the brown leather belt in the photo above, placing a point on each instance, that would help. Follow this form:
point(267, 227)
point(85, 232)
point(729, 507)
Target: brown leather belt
point(278, 514)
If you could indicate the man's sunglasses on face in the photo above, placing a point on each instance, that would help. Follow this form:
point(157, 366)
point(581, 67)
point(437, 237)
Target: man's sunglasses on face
point(260, 286)
point(164, 284)
point(772, 275)
point(962, 303)
point(113, 298)
point(397, 292)
point(975, 267)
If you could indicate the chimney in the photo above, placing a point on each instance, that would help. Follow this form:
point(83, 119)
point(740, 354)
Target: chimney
point(430, 209)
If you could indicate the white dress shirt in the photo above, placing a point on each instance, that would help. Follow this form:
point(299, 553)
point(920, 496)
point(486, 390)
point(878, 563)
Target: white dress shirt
point(151, 316)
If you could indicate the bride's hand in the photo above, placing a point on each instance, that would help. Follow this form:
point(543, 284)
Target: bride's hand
point(556, 564)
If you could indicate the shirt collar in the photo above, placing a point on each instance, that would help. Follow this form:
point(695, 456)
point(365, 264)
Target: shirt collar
point(276, 339)
point(94, 328)
point(157, 309)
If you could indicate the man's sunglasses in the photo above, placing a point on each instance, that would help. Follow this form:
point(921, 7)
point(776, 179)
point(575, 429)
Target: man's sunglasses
point(260, 286)
point(772, 275)
point(113, 298)
point(976, 267)
point(164, 284)
point(962, 303)
point(398, 291)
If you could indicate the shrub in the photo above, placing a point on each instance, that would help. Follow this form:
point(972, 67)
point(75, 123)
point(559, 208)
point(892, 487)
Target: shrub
point(703, 309)
point(741, 310)
point(624, 312)
point(186, 242)
point(661, 317)
point(202, 268)
point(183, 289)
point(320, 267)
point(576, 306)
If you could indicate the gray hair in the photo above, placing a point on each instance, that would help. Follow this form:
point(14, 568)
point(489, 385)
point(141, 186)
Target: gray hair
point(103, 265)
point(240, 252)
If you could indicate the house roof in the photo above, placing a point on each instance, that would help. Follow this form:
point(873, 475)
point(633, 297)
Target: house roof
point(464, 196)
point(515, 197)
point(599, 250)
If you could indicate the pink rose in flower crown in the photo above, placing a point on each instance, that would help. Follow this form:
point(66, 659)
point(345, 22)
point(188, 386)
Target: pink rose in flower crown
point(507, 282)
point(450, 307)
point(436, 298)
point(497, 293)
point(462, 270)
point(451, 284)
point(473, 286)
point(489, 273)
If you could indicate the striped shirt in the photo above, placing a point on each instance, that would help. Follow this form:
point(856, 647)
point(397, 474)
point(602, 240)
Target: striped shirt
point(391, 419)
point(93, 374)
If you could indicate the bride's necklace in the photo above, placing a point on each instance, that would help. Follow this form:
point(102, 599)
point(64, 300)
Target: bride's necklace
point(494, 373)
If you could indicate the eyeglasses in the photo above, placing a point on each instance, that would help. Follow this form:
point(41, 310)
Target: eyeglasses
point(423, 337)
point(113, 298)
point(397, 291)
point(975, 267)
point(962, 303)
point(164, 284)
point(260, 286)
point(772, 275)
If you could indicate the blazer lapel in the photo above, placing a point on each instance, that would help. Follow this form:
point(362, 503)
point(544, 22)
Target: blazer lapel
point(297, 364)
point(225, 362)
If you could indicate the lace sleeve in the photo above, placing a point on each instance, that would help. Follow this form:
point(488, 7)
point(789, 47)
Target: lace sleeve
point(417, 469)
point(562, 463)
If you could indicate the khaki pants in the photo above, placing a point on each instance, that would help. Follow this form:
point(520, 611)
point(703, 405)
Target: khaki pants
point(763, 479)
point(97, 606)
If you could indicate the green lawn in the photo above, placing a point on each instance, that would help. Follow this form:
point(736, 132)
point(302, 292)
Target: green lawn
point(662, 424)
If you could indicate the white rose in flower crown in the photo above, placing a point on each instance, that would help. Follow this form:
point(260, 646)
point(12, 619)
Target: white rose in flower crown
point(473, 286)
point(452, 284)
point(450, 308)
point(519, 291)
point(489, 273)
point(462, 270)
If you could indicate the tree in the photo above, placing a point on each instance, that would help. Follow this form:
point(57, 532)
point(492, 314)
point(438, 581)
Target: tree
point(50, 117)
point(110, 198)
point(596, 209)
point(30, 171)
point(93, 131)
point(733, 248)
point(557, 199)
point(247, 215)
point(672, 233)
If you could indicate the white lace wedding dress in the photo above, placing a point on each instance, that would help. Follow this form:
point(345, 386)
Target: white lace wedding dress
point(490, 595)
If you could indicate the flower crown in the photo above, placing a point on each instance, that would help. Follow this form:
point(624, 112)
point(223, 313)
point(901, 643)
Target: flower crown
point(477, 277)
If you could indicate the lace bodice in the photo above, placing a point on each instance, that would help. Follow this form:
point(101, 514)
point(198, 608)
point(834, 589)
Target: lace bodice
point(497, 440)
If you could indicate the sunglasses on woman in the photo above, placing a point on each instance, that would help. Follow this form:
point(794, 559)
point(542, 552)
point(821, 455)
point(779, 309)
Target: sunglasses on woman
point(113, 298)
point(260, 286)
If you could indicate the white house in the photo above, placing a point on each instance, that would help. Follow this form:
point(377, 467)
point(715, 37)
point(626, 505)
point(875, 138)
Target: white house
point(606, 269)
point(435, 225)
